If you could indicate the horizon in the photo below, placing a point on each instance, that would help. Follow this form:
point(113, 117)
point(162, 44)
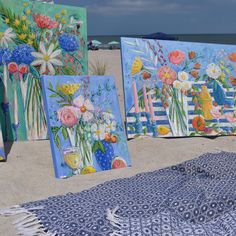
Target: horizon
point(137, 17)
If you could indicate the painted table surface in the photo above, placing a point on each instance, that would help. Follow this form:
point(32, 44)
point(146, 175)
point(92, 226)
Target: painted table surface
point(36, 39)
point(178, 88)
point(85, 126)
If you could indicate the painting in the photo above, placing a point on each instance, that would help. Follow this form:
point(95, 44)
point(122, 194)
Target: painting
point(36, 39)
point(176, 89)
point(84, 124)
point(2, 152)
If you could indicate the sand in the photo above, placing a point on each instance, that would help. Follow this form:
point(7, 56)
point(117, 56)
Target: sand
point(28, 174)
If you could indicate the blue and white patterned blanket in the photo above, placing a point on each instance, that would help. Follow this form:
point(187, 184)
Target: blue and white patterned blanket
point(197, 197)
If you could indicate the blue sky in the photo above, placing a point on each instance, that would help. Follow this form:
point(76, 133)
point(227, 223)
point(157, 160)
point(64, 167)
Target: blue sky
point(115, 17)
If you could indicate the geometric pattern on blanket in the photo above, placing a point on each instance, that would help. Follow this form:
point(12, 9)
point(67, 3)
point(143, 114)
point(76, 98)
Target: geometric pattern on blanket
point(196, 197)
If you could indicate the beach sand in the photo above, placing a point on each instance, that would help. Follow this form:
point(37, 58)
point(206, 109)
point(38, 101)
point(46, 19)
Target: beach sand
point(28, 174)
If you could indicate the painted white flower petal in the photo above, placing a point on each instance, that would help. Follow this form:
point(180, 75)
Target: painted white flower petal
point(50, 49)
point(88, 116)
point(55, 54)
point(43, 68)
point(51, 68)
point(9, 30)
point(37, 62)
point(42, 48)
point(88, 104)
point(56, 62)
point(37, 55)
point(94, 128)
point(79, 101)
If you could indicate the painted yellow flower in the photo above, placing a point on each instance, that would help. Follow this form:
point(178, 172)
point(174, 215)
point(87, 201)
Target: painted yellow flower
point(57, 16)
point(32, 36)
point(63, 12)
point(88, 170)
point(28, 11)
point(25, 4)
point(17, 22)
point(30, 42)
point(7, 21)
point(137, 66)
point(24, 27)
point(163, 130)
point(22, 36)
point(63, 21)
point(24, 18)
point(1, 158)
point(69, 89)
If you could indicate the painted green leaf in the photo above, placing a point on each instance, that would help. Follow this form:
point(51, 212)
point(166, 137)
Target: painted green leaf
point(57, 141)
point(101, 146)
point(64, 133)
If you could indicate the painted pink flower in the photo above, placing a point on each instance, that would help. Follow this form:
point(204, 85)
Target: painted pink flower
point(216, 112)
point(230, 117)
point(167, 75)
point(45, 22)
point(68, 116)
point(176, 57)
point(23, 69)
point(13, 67)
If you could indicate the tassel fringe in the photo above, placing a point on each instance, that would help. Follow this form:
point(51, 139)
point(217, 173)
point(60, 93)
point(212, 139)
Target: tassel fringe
point(28, 224)
point(115, 221)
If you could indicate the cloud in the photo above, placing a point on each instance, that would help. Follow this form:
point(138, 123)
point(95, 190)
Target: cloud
point(127, 7)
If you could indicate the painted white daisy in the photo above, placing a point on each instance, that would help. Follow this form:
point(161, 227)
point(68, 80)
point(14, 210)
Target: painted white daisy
point(187, 85)
point(47, 58)
point(177, 84)
point(213, 71)
point(7, 37)
point(182, 76)
point(110, 126)
point(108, 116)
point(86, 107)
point(98, 131)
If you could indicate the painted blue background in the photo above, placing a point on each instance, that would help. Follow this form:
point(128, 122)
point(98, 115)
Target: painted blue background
point(107, 100)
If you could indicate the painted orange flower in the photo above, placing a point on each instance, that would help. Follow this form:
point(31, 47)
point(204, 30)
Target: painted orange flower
point(192, 55)
point(194, 73)
point(167, 75)
point(232, 57)
point(176, 57)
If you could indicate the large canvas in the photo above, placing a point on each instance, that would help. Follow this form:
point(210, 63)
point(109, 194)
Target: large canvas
point(85, 125)
point(178, 88)
point(36, 39)
point(2, 152)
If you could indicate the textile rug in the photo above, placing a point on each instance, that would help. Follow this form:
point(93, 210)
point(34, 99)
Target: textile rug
point(197, 197)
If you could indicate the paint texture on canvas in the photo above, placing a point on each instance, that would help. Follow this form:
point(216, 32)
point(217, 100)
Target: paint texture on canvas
point(85, 126)
point(36, 39)
point(175, 89)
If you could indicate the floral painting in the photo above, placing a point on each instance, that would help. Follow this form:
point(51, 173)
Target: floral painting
point(2, 152)
point(179, 88)
point(36, 39)
point(85, 125)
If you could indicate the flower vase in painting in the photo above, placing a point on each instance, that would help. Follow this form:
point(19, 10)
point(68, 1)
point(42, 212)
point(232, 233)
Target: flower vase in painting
point(85, 127)
point(181, 89)
point(36, 39)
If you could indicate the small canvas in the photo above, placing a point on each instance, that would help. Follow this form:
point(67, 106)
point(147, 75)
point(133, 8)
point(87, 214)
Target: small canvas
point(84, 124)
point(176, 89)
point(2, 152)
point(36, 39)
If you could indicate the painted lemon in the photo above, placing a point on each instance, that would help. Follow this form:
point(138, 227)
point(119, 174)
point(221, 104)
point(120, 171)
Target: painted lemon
point(88, 170)
point(1, 158)
point(163, 130)
point(73, 160)
point(137, 66)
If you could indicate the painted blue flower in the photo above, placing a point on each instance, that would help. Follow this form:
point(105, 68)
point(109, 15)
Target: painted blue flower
point(22, 54)
point(5, 55)
point(68, 42)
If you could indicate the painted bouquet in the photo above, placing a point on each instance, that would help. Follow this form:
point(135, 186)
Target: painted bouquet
point(89, 130)
point(34, 44)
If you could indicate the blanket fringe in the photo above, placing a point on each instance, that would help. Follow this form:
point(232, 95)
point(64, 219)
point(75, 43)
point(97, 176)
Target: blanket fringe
point(28, 224)
point(115, 221)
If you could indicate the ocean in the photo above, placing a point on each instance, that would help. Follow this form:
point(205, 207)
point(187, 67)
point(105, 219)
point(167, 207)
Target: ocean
point(204, 38)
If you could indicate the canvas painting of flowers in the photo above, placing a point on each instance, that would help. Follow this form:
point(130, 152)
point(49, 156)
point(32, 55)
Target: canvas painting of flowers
point(84, 122)
point(175, 89)
point(2, 152)
point(36, 39)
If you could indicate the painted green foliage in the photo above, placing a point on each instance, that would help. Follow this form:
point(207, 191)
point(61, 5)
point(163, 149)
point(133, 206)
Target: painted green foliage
point(36, 39)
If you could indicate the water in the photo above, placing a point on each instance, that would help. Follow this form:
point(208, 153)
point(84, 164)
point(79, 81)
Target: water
point(204, 38)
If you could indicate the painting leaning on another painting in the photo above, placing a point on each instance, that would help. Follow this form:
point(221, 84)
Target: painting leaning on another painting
point(84, 122)
point(36, 39)
point(175, 89)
